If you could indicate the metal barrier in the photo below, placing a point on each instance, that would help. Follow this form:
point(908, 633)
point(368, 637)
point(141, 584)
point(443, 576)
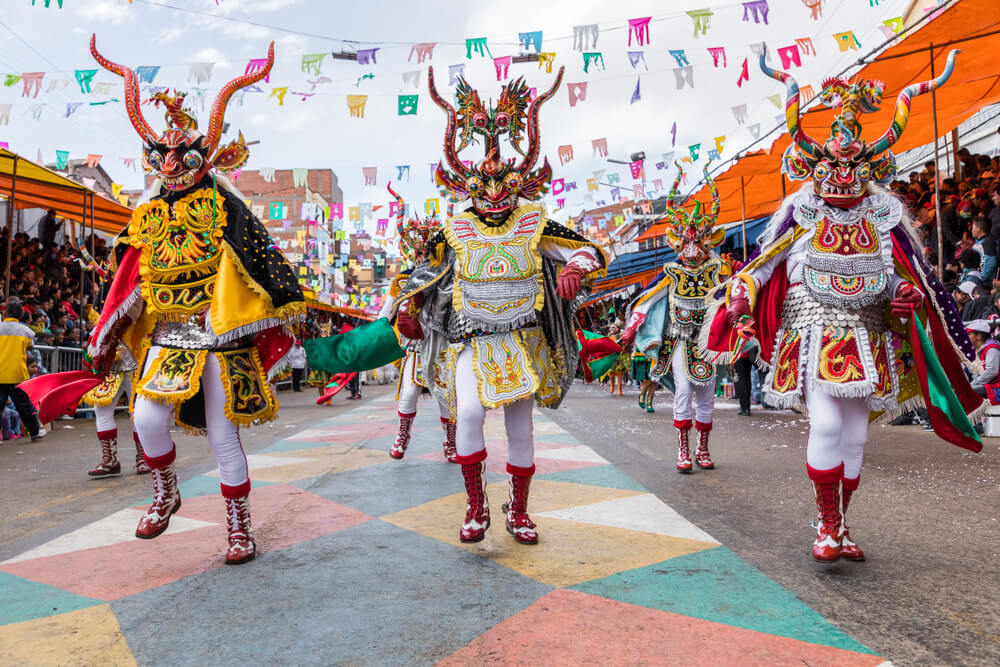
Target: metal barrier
point(59, 359)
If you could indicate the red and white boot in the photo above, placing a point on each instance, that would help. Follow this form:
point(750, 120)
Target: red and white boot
point(140, 461)
point(826, 485)
point(449, 440)
point(166, 497)
point(109, 465)
point(683, 446)
point(242, 547)
point(701, 455)
point(477, 509)
point(519, 524)
point(398, 449)
point(848, 549)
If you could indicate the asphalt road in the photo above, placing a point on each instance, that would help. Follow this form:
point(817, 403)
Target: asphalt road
point(926, 515)
point(926, 512)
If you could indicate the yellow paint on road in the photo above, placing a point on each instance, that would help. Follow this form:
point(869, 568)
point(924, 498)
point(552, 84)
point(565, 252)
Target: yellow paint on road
point(89, 636)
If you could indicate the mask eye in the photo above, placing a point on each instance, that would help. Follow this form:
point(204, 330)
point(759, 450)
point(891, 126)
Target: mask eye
point(864, 172)
point(155, 159)
point(480, 121)
point(474, 185)
point(513, 181)
point(192, 159)
point(502, 121)
point(822, 171)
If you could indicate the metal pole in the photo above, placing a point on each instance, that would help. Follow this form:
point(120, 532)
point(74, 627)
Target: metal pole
point(743, 216)
point(954, 151)
point(937, 176)
point(10, 230)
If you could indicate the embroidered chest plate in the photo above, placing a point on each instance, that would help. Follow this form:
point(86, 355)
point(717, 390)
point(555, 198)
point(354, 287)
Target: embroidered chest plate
point(688, 290)
point(498, 282)
point(180, 248)
point(845, 264)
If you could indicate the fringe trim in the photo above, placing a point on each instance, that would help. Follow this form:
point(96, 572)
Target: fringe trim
point(255, 327)
point(909, 405)
point(178, 397)
point(979, 415)
point(266, 415)
point(98, 342)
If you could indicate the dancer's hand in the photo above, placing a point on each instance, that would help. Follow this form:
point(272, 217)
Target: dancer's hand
point(408, 325)
point(739, 307)
point(908, 298)
point(569, 281)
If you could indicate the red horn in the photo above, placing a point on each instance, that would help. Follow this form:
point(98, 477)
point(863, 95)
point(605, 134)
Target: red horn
point(215, 118)
point(449, 133)
point(132, 100)
point(533, 145)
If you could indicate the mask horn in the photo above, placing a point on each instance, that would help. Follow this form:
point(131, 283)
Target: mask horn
point(132, 100)
point(902, 114)
point(450, 153)
point(805, 143)
point(215, 118)
point(531, 157)
point(677, 182)
point(716, 201)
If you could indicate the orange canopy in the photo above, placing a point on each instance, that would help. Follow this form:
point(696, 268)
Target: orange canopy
point(38, 187)
point(969, 25)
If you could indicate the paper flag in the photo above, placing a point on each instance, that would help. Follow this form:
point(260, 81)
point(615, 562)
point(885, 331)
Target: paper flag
point(657, 184)
point(719, 143)
point(805, 45)
point(640, 29)
point(565, 153)
point(336, 211)
point(684, 75)
point(312, 63)
point(600, 146)
point(200, 72)
point(702, 19)
point(599, 175)
point(673, 135)
point(255, 65)
point(71, 107)
point(585, 36)
point(754, 130)
point(636, 169)
point(718, 53)
point(614, 178)
point(356, 105)
point(847, 41)
point(32, 83)
point(423, 52)
point(694, 149)
point(895, 25)
point(591, 185)
point(758, 9)
point(545, 60)
point(593, 57)
point(367, 56)
point(93, 160)
point(83, 77)
point(636, 96)
point(744, 72)
point(577, 92)
point(815, 8)
point(558, 185)
point(740, 113)
point(431, 206)
point(402, 169)
point(680, 57)
point(502, 67)
point(277, 211)
point(280, 94)
point(776, 100)
point(789, 56)
point(530, 40)
point(370, 175)
point(454, 72)
point(146, 73)
point(636, 57)
point(477, 45)
point(412, 78)
point(407, 105)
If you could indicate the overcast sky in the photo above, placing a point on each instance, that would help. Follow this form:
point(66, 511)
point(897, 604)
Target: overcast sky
point(318, 132)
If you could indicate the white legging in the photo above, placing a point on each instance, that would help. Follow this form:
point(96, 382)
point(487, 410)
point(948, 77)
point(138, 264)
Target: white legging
point(152, 420)
point(410, 391)
point(471, 415)
point(104, 415)
point(838, 429)
point(684, 391)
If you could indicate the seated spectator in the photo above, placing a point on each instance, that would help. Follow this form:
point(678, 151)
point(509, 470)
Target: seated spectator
point(986, 247)
point(968, 262)
point(988, 351)
point(979, 306)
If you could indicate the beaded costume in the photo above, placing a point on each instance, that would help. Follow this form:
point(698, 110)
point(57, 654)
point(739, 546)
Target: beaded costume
point(496, 298)
point(666, 317)
point(202, 299)
point(836, 285)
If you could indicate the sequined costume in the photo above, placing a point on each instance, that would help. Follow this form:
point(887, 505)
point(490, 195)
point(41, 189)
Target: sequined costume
point(202, 299)
point(835, 287)
point(412, 383)
point(495, 300)
point(666, 317)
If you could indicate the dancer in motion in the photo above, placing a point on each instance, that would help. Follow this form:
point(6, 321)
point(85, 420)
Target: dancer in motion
point(837, 282)
point(202, 298)
point(497, 294)
point(666, 317)
point(413, 238)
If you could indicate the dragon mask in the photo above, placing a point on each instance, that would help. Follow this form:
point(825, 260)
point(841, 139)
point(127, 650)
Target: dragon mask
point(494, 184)
point(842, 166)
point(182, 155)
point(413, 235)
point(693, 234)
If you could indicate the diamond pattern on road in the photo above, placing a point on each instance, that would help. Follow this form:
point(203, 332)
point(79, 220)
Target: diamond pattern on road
point(302, 464)
point(645, 513)
point(85, 637)
point(115, 529)
point(568, 627)
point(568, 552)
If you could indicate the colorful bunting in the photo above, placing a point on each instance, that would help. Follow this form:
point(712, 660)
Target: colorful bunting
point(758, 9)
point(84, 77)
point(684, 75)
point(592, 57)
point(719, 143)
point(431, 206)
point(558, 185)
point(591, 185)
point(846, 41)
point(805, 45)
point(412, 78)
point(600, 146)
point(402, 169)
point(356, 105)
point(636, 95)
point(279, 93)
point(636, 57)
point(577, 92)
point(636, 169)
point(312, 63)
point(530, 40)
point(454, 72)
point(680, 57)
point(702, 19)
point(565, 153)
point(717, 53)
point(789, 56)
point(423, 52)
point(744, 73)
point(545, 60)
point(367, 56)
point(754, 130)
point(256, 65)
point(11, 80)
point(740, 113)
point(32, 83)
point(585, 36)
point(776, 100)
point(695, 150)
point(815, 8)
point(639, 28)
point(477, 45)
point(407, 105)
point(370, 175)
point(93, 160)
point(200, 72)
point(502, 67)
point(895, 24)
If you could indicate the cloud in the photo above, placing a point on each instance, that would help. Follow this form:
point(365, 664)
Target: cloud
point(104, 11)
